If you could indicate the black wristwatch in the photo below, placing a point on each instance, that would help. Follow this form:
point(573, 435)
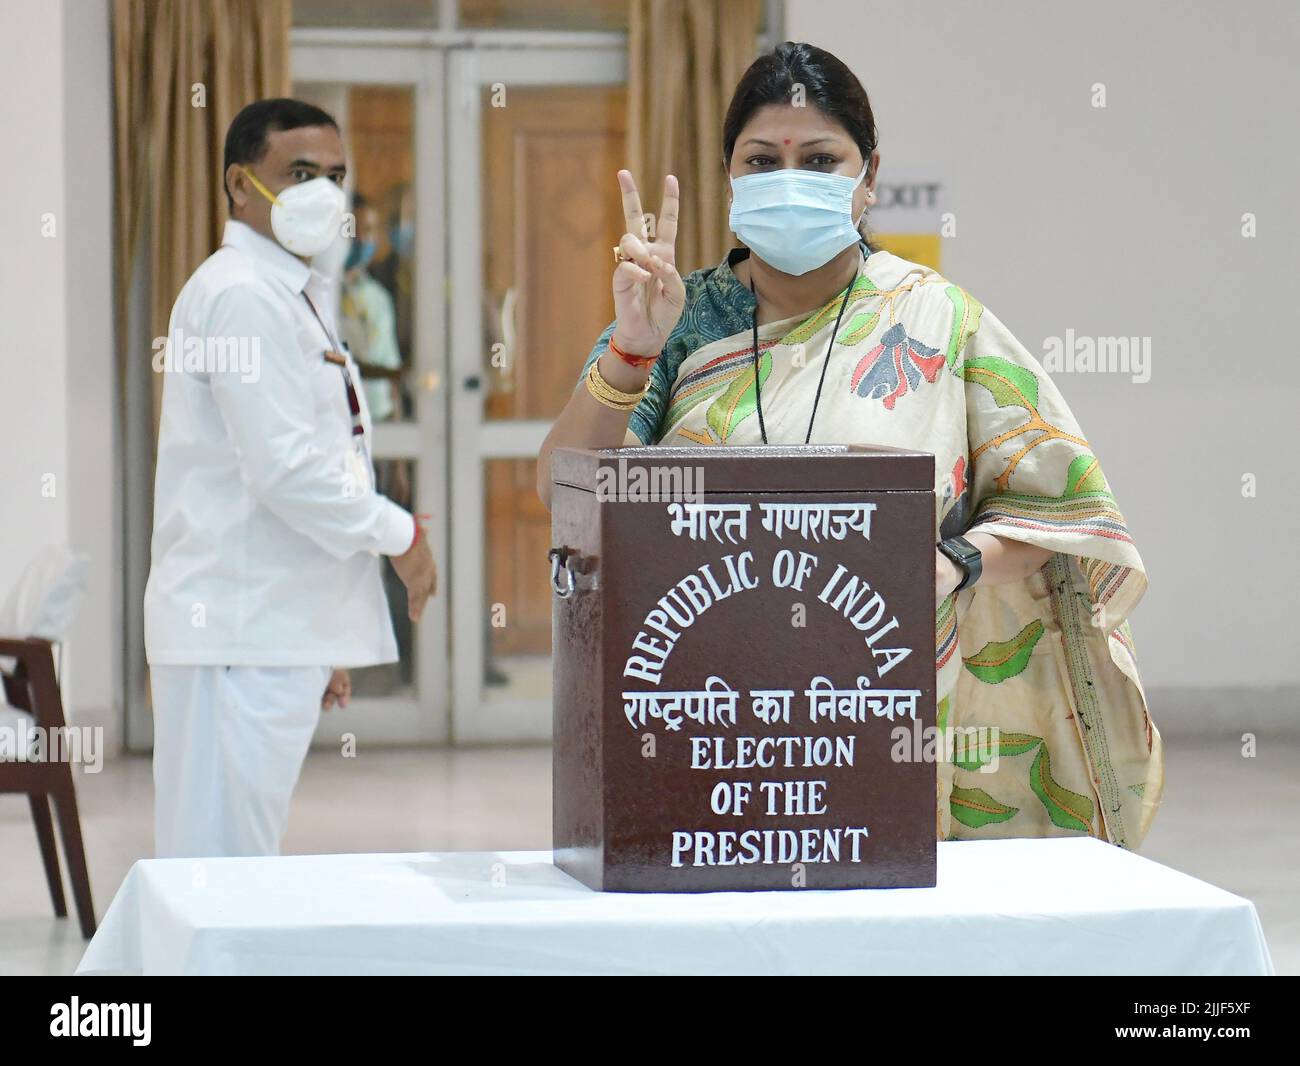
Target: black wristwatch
point(965, 555)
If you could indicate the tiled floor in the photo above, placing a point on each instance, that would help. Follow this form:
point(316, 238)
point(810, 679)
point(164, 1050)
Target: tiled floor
point(1226, 819)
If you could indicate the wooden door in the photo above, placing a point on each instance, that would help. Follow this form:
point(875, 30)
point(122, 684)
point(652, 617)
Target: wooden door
point(552, 214)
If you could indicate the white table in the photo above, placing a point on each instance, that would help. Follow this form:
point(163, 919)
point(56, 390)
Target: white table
point(1053, 906)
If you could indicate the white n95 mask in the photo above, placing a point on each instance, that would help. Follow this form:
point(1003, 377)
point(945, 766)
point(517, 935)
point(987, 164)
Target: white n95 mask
point(305, 218)
point(797, 220)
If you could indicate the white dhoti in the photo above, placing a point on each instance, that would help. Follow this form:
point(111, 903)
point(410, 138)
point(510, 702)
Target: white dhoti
point(229, 744)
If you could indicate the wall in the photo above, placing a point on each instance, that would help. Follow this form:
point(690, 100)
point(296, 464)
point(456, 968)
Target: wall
point(1126, 221)
point(57, 370)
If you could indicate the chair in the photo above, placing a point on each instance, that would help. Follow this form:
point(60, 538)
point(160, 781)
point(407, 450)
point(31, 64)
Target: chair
point(31, 685)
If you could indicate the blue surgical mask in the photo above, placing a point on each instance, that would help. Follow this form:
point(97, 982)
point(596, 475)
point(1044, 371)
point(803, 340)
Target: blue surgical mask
point(359, 255)
point(796, 220)
point(402, 238)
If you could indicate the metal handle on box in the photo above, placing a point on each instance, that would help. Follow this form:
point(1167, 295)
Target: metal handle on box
point(561, 558)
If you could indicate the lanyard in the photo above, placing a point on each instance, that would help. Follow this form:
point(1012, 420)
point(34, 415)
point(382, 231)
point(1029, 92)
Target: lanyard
point(758, 390)
point(354, 403)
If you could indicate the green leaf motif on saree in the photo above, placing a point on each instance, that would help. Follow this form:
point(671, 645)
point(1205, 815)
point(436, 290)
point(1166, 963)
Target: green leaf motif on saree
point(974, 807)
point(1138, 790)
point(737, 403)
point(977, 753)
point(941, 714)
point(1083, 476)
point(1011, 385)
point(1067, 809)
point(965, 320)
point(1001, 659)
point(808, 328)
point(1084, 506)
point(859, 328)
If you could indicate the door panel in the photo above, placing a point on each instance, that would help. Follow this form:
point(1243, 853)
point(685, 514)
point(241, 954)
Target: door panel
point(391, 114)
point(551, 216)
point(537, 212)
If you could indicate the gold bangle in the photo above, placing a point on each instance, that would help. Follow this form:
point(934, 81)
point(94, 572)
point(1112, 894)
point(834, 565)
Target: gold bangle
point(603, 392)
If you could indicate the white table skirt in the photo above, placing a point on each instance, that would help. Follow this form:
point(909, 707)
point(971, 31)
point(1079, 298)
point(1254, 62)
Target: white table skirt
point(1053, 906)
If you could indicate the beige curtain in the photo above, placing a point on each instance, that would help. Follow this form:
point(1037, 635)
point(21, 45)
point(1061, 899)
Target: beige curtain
point(182, 69)
point(685, 58)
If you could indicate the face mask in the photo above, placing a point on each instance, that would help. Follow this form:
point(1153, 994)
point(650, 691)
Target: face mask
point(402, 238)
point(359, 255)
point(797, 220)
point(305, 218)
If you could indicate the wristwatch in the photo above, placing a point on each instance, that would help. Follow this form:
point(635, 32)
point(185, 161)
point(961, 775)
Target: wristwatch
point(965, 555)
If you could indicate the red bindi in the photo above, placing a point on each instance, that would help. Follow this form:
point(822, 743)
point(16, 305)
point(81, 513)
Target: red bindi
point(787, 140)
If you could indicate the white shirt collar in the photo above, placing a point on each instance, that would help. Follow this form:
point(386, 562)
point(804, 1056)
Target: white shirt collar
point(268, 254)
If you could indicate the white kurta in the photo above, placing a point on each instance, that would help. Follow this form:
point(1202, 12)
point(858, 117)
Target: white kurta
point(266, 546)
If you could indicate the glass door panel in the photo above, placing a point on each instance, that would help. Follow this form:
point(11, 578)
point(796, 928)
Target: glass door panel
point(389, 280)
point(539, 139)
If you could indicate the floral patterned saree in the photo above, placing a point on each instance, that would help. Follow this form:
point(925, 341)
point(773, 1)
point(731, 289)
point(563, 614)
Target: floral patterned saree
point(1044, 667)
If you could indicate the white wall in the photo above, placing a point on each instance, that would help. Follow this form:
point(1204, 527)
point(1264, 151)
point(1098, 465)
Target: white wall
point(93, 391)
point(33, 302)
point(57, 371)
point(1126, 221)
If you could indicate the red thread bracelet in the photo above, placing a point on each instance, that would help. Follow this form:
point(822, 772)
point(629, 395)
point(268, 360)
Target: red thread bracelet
point(638, 361)
point(419, 531)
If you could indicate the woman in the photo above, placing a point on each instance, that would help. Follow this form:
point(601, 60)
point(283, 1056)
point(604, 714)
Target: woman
point(855, 345)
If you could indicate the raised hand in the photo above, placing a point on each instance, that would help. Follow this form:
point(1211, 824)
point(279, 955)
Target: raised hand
point(648, 292)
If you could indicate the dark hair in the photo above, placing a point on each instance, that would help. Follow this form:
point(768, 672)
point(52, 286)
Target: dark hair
point(246, 138)
point(824, 81)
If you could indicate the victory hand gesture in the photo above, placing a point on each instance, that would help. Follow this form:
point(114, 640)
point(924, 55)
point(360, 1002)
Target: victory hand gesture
point(648, 292)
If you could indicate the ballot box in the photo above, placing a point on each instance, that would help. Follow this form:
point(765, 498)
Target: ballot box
point(744, 667)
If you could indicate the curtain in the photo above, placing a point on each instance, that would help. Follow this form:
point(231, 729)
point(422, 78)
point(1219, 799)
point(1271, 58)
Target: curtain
point(685, 58)
point(182, 69)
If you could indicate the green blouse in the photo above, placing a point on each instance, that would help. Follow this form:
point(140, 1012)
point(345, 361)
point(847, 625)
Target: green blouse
point(717, 306)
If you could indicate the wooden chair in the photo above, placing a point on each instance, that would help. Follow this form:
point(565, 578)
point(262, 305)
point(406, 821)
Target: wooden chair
point(32, 686)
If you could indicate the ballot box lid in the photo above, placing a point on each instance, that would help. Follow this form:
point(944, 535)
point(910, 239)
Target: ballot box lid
point(757, 468)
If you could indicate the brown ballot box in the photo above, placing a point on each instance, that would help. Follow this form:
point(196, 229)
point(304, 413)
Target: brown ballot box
point(743, 667)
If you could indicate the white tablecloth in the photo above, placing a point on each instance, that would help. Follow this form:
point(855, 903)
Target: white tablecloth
point(1054, 906)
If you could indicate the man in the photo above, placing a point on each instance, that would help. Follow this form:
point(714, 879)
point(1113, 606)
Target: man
point(367, 319)
point(368, 328)
point(394, 272)
point(267, 528)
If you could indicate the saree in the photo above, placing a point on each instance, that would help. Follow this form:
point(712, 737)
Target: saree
point(1039, 676)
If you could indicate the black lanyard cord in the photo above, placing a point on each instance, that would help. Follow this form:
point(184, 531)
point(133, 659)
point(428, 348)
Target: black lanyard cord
point(758, 390)
point(354, 404)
